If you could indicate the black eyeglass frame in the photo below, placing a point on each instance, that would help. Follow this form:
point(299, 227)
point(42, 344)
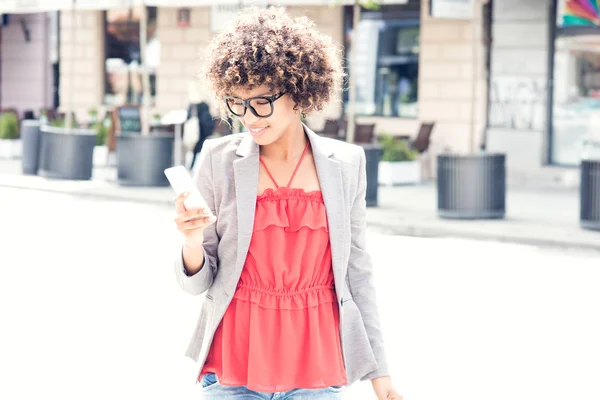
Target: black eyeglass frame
point(246, 104)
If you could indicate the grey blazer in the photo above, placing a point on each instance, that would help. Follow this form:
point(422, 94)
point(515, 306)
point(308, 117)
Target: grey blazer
point(227, 177)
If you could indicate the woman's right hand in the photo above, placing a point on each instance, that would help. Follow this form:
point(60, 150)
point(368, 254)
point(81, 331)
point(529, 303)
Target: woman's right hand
point(191, 223)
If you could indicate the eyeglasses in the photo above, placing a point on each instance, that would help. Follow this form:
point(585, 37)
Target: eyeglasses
point(262, 106)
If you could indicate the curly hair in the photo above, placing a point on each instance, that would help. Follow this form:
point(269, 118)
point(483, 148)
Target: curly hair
point(268, 47)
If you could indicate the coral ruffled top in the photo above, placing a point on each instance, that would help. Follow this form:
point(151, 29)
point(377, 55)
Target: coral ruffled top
point(281, 329)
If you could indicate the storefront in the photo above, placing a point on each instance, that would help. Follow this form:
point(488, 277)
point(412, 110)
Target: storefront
point(574, 102)
point(122, 55)
point(413, 66)
point(387, 72)
point(29, 61)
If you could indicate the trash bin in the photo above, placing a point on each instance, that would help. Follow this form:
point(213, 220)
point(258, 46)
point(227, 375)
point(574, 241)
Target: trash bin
point(589, 189)
point(373, 154)
point(471, 186)
point(31, 139)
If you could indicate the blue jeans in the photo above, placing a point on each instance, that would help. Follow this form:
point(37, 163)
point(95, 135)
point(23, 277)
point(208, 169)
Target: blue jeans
point(212, 389)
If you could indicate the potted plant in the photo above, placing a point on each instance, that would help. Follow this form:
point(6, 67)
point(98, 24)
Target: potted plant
point(93, 116)
point(142, 156)
point(43, 117)
point(10, 143)
point(58, 123)
point(156, 119)
point(66, 152)
point(399, 164)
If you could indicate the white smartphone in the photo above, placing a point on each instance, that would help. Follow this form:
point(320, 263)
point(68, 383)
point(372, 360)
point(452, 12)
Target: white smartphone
point(181, 181)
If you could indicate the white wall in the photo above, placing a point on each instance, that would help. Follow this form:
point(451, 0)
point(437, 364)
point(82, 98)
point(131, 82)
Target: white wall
point(81, 61)
point(180, 50)
point(451, 78)
point(518, 88)
point(25, 66)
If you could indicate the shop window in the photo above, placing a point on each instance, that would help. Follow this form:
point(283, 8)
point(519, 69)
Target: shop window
point(122, 61)
point(576, 108)
point(387, 68)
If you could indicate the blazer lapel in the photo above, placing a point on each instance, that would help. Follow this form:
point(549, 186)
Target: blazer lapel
point(245, 171)
point(329, 172)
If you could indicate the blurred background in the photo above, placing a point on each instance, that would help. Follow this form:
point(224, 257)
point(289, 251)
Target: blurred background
point(480, 121)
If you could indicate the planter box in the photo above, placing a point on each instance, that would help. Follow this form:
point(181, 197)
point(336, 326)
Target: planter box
point(142, 160)
point(100, 158)
point(590, 194)
point(399, 172)
point(471, 186)
point(104, 158)
point(32, 139)
point(67, 154)
point(10, 148)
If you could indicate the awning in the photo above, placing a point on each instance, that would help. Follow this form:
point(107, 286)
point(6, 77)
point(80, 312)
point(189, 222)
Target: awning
point(36, 6)
point(200, 3)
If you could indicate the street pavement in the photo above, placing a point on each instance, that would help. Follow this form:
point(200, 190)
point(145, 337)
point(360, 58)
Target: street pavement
point(545, 215)
point(90, 309)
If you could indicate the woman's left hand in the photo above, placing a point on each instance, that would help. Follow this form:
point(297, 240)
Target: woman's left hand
point(384, 390)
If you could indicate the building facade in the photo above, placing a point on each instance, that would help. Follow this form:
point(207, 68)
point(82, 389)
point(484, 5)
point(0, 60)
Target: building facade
point(28, 61)
point(412, 67)
point(520, 77)
point(518, 117)
point(545, 81)
point(427, 76)
point(101, 62)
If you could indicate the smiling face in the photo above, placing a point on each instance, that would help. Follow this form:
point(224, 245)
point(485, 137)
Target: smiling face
point(269, 129)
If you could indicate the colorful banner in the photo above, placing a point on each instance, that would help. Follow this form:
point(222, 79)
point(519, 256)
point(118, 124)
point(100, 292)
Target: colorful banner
point(581, 13)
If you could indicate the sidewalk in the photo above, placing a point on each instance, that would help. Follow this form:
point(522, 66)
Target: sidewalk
point(540, 216)
point(547, 217)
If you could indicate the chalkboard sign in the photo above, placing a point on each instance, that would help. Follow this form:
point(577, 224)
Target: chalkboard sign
point(129, 119)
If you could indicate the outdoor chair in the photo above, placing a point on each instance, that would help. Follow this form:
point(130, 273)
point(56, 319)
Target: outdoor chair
point(363, 133)
point(331, 129)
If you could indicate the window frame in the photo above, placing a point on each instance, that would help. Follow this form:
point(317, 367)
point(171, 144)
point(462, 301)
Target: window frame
point(393, 15)
point(104, 58)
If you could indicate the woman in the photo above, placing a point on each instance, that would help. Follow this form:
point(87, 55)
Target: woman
point(280, 254)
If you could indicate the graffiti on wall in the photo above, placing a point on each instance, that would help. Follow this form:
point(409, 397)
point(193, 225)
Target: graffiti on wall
point(517, 103)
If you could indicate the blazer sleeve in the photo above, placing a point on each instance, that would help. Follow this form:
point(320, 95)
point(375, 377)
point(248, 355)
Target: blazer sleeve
point(203, 279)
point(360, 273)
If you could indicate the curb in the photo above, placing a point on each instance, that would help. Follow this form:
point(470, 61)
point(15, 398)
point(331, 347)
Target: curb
point(434, 232)
point(407, 229)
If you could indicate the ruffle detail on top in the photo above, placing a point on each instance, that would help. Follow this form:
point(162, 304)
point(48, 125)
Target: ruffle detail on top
point(290, 209)
point(281, 329)
point(288, 300)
